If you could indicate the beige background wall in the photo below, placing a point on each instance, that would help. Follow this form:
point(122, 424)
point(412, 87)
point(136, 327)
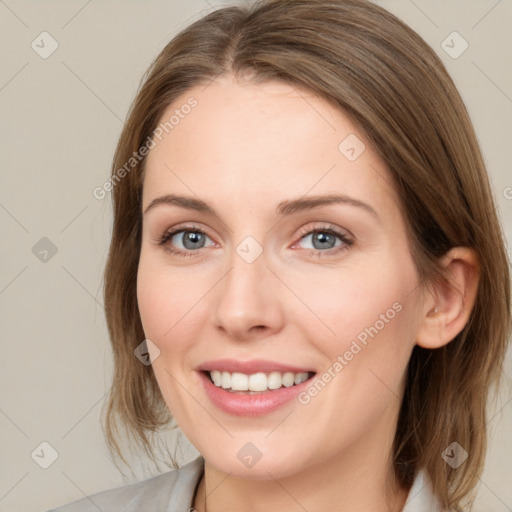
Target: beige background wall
point(61, 117)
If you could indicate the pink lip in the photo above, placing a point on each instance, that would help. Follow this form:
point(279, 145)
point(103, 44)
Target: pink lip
point(249, 367)
point(241, 404)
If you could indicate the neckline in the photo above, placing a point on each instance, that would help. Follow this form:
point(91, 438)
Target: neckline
point(419, 499)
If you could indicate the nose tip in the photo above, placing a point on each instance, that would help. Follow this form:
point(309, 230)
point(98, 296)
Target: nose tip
point(248, 301)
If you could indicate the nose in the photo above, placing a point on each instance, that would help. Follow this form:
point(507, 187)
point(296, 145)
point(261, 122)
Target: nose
point(247, 304)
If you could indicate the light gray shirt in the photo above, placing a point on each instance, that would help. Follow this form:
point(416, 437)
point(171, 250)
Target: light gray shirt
point(174, 491)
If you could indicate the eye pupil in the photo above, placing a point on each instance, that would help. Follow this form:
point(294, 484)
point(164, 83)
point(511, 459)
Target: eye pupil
point(325, 240)
point(192, 238)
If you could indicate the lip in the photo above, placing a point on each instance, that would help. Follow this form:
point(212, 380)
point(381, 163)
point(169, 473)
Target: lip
point(241, 404)
point(250, 367)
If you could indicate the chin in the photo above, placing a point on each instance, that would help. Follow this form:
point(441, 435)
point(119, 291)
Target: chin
point(254, 461)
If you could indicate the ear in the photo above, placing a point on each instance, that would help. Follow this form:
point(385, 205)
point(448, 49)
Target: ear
point(447, 307)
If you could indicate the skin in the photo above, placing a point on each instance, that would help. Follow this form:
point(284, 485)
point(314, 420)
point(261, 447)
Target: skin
point(245, 148)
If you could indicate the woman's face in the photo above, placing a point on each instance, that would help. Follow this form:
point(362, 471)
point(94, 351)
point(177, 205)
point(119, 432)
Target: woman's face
point(267, 281)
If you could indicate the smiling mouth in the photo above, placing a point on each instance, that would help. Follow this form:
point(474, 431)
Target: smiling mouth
point(256, 383)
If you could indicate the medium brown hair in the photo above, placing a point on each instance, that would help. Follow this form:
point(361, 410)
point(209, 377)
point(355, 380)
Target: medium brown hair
point(373, 67)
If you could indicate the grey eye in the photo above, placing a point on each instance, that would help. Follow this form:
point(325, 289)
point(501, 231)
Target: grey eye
point(322, 240)
point(189, 239)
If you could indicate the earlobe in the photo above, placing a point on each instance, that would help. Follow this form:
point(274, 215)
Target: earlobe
point(447, 308)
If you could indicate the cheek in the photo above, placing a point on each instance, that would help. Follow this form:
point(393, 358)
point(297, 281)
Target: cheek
point(351, 299)
point(369, 311)
point(171, 303)
point(157, 299)
point(163, 311)
point(153, 302)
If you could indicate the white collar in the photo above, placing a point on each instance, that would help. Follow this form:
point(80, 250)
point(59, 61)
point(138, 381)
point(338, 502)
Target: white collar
point(421, 498)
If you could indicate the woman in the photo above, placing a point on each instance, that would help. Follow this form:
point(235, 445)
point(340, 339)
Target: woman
point(307, 264)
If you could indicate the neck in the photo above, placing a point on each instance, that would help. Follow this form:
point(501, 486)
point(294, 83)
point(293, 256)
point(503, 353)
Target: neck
point(361, 478)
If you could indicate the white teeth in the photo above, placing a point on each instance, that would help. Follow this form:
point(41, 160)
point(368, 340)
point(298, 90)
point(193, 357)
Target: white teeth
point(217, 378)
point(288, 379)
point(274, 380)
point(257, 381)
point(226, 380)
point(239, 382)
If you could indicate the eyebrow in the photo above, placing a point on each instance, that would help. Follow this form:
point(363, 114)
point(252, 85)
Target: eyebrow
point(283, 209)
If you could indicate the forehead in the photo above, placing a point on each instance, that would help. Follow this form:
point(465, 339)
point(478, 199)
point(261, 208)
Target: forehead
point(261, 142)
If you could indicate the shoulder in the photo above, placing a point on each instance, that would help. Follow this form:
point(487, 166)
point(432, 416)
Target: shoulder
point(151, 495)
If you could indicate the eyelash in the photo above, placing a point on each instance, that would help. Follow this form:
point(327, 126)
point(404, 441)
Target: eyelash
point(347, 242)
